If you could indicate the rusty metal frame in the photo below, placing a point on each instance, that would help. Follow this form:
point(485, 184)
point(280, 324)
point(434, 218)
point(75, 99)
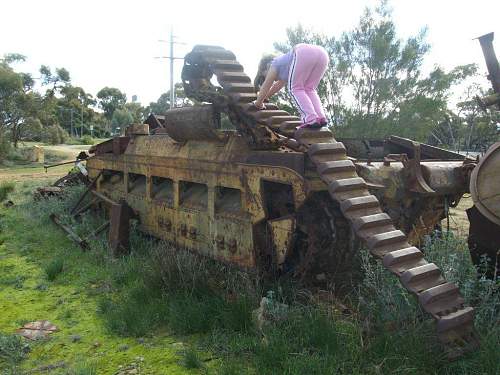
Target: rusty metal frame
point(71, 233)
point(90, 187)
point(118, 224)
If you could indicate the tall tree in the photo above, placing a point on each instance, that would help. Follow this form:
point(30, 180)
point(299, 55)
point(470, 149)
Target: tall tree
point(136, 110)
point(18, 102)
point(162, 105)
point(479, 126)
point(121, 119)
point(111, 99)
point(374, 85)
point(56, 81)
point(75, 105)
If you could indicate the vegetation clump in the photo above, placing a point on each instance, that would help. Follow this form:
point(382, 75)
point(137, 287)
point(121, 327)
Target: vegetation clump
point(191, 359)
point(5, 189)
point(54, 268)
point(13, 349)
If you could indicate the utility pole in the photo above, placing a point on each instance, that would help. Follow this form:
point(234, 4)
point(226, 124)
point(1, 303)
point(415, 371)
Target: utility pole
point(171, 58)
point(81, 129)
point(172, 94)
point(71, 122)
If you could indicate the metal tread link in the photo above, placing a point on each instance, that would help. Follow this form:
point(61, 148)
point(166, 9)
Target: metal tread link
point(455, 322)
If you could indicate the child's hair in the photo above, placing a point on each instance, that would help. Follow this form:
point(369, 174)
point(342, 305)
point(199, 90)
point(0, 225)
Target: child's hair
point(264, 65)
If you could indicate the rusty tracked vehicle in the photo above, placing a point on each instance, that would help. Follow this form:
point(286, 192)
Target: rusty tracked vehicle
point(271, 198)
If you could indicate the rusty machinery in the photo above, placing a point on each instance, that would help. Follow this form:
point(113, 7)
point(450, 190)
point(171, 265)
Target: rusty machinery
point(484, 216)
point(263, 196)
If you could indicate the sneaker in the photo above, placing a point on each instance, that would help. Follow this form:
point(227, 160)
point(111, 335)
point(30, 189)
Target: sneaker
point(313, 125)
point(322, 121)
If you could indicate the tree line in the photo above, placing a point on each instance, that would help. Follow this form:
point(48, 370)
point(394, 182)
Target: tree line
point(374, 87)
point(61, 111)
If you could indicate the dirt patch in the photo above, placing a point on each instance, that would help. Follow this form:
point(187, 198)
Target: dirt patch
point(459, 223)
point(23, 174)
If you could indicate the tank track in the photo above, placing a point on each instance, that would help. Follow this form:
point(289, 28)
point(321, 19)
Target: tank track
point(441, 299)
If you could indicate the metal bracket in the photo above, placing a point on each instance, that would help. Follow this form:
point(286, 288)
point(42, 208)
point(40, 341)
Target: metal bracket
point(417, 180)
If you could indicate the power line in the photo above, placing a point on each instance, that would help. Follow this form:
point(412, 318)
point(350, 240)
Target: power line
point(171, 58)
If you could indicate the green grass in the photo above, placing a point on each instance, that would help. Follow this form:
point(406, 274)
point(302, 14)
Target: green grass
point(5, 189)
point(12, 349)
point(54, 268)
point(83, 369)
point(158, 296)
point(54, 156)
point(191, 359)
point(86, 140)
point(29, 241)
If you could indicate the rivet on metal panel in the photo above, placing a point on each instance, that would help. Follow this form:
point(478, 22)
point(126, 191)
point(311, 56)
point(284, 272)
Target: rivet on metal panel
point(219, 240)
point(165, 224)
point(232, 246)
point(192, 233)
point(183, 230)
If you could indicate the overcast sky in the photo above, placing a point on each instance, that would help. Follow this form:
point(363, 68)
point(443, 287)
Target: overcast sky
point(114, 43)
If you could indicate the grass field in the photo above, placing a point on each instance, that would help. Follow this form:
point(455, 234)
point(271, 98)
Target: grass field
point(161, 311)
point(19, 171)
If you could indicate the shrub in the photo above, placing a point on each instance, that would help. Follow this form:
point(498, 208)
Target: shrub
point(16, 154)
point(181, 271)
point(191, 359)
point(54, 268)
point(309, 341)
point(5, 189)
point(33, 129)
point(54, 135)
point(452, 256)
point(87, 140)
point(16, 282)
point(136, 312)
point(231, 368)
point(12, 349)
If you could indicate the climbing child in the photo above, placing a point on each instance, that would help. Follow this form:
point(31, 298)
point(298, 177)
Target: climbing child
point(302, 69)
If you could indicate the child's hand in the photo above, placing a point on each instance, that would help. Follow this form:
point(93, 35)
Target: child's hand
point(258, 105)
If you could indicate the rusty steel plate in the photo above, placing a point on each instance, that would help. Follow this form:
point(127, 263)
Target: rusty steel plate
point(485, 184)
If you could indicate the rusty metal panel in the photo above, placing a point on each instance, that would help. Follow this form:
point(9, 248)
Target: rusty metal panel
point(119, 228)
point(282, 230)
point(445, 177)
point(155, 121)
point(194, 123)
point(224, 236)
point(137, 129)
point(120, 145)
point(485, 184)
point(291, 160)
point(398, 145)
point(231, 239)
